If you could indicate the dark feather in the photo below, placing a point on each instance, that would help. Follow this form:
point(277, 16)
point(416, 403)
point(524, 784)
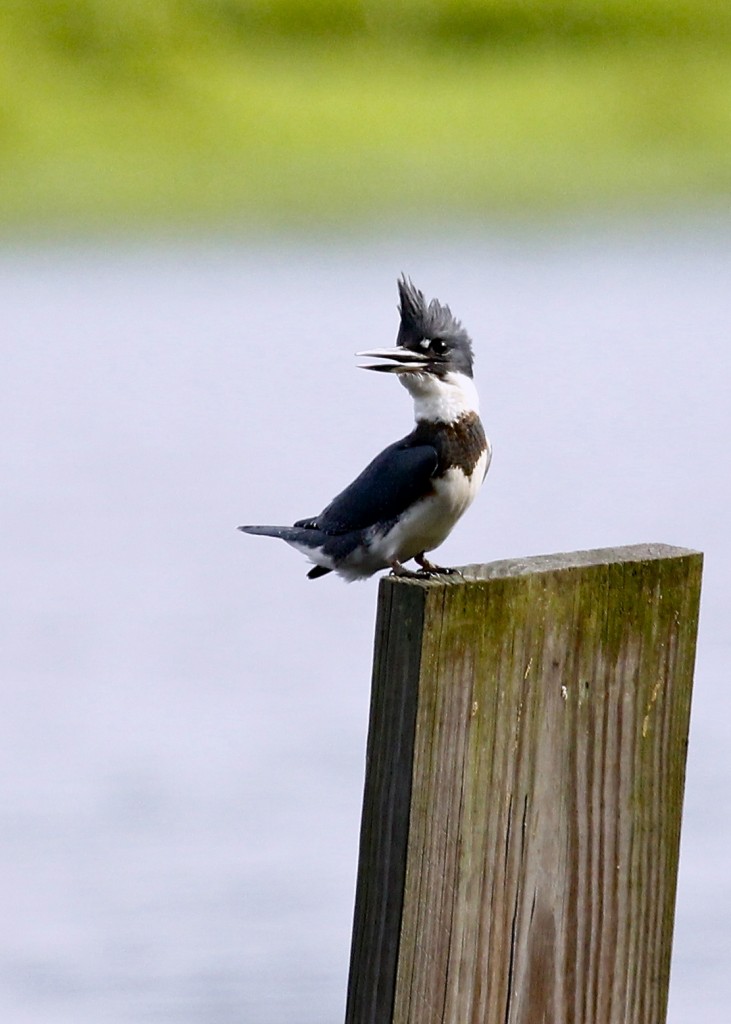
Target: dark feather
point(310, 537)
point(433, 321)
point(310, 523)
point(316, 571)
point(395, 479)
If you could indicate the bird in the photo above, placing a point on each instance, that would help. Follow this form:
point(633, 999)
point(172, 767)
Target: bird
point(407, 500)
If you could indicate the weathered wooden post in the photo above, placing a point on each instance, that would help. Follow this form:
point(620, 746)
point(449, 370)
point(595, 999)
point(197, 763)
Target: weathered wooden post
point(524, 785)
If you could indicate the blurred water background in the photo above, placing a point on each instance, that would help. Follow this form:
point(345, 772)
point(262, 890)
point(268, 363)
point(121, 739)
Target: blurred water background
point(204, 206)
point(184, 714)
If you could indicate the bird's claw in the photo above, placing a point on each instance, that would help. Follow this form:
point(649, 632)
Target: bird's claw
point(435, 570)
point(408, 574)
point(426, 572)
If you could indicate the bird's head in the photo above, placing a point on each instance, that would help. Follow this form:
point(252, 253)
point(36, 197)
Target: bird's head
point(432, 357)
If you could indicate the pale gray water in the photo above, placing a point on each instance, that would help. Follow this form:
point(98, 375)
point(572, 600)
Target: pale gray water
point(183, 714)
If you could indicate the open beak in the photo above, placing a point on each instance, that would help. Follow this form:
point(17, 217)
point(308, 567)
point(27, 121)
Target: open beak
point(402, 360)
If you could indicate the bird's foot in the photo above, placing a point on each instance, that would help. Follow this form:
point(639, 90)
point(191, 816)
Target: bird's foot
point(434, 570)
point(408, 574)
point(426, 572)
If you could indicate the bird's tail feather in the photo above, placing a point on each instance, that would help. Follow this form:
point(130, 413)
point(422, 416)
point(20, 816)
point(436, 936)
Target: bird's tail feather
point(292, 534)
point(316, 571)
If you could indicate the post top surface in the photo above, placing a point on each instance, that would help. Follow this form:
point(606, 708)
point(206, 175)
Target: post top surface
point(575, 559)
point(561, 560)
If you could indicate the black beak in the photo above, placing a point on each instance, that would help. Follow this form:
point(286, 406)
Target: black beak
point(402, 360)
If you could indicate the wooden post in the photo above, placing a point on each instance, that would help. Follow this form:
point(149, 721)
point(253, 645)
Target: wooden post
point(524, 786)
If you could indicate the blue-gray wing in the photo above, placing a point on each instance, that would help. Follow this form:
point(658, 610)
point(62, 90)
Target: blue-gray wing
point(395, 479)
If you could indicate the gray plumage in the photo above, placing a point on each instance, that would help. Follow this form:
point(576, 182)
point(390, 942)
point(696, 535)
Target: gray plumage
point(432, 322)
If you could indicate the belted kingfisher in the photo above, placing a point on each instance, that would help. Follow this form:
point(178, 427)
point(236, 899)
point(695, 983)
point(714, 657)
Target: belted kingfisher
point(407, 500)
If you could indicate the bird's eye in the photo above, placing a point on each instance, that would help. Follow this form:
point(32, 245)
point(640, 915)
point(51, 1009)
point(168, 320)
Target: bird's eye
point(438, 347)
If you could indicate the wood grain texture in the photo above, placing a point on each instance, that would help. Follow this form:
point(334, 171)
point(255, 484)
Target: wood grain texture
point(524, 784)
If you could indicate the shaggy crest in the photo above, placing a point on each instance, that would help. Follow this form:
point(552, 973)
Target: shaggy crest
point(433, 322)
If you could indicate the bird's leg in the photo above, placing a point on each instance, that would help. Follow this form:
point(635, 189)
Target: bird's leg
point(426, 570)
point(436, 570)
point(400, 570)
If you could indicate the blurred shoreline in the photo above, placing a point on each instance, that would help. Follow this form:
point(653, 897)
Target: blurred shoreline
point(190, 114)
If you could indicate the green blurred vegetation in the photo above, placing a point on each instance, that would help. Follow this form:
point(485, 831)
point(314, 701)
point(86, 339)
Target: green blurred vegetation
point(308, 111)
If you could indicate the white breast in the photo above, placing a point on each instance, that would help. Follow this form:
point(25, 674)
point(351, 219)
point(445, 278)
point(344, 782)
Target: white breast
point(430, 521)
point(441, 399)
